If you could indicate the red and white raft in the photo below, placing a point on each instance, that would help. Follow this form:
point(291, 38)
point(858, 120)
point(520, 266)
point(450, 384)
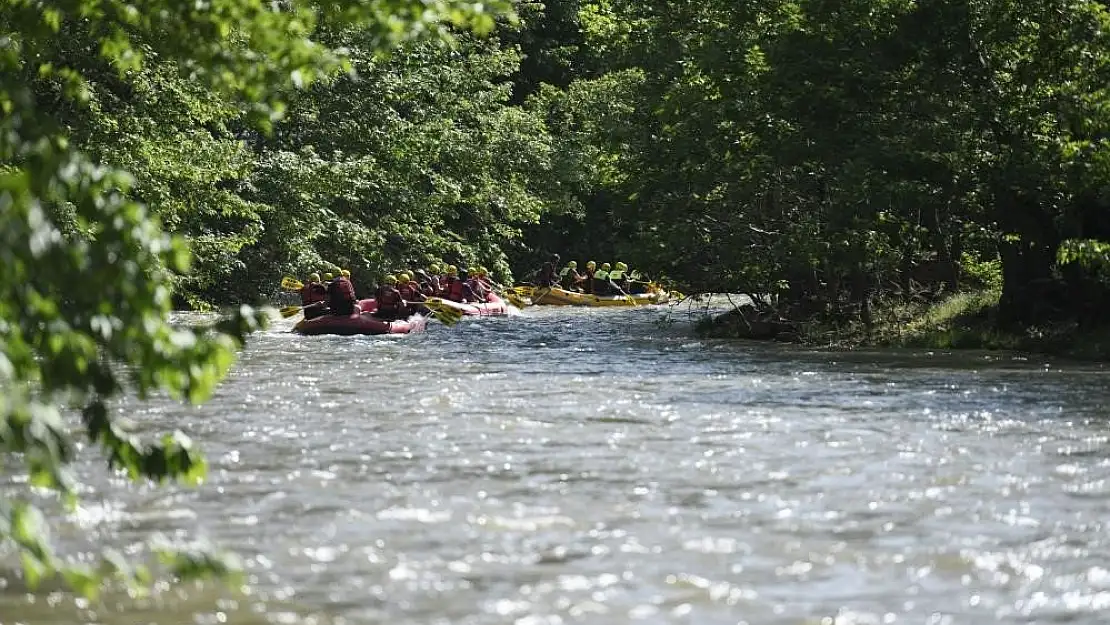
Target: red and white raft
point(494, 306)
point(359, 323)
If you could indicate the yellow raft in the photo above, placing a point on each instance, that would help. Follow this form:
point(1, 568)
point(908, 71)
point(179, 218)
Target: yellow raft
point(554, 296)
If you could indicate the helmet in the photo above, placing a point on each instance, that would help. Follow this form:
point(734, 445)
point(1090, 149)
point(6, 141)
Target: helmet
point(572, 264)
point(391, 279)
point(622, 266)
point(435, 268)
point(591, 265)
point(605, 266)
point(404, 276)
point(314, 277)
point(329, 276)
point(452, 270)
point(481, 271)
point(345, 273)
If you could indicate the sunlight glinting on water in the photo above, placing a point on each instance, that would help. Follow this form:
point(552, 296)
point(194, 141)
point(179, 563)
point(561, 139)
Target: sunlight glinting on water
point(577, 466)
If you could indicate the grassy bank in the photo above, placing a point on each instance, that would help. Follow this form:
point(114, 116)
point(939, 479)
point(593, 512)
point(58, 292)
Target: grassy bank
point(964, 321)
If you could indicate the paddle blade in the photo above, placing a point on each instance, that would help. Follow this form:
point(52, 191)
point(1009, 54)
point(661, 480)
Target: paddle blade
point(515, 299)
point(447, 315)
point(289, 311)
point(291, 284)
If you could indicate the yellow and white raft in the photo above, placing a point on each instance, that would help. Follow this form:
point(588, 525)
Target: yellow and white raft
point(554, 296)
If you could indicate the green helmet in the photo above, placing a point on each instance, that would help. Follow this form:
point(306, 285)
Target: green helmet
point(329, 276)
point(605, 266)
point(573, 264)
point(391, 279)
point(314, 277)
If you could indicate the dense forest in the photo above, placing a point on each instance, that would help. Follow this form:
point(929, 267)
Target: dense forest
point(828, 154)
point(827, 158)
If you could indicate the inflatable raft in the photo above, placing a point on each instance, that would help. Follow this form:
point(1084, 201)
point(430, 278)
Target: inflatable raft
point(494, 306)
point(554, 296)
point(359, 323)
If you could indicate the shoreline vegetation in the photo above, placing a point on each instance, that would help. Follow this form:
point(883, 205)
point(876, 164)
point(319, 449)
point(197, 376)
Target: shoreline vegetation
point(965, 320)
point(860, 161)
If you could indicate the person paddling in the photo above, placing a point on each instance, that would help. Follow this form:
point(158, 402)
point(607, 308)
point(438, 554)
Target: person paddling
point(314, 296)
point(427, 287)
point(411, 294)
point(484, 279)
point(602, 285)
point(432, 278)
point(456, 289)
point(548, 277)
point(390, 303)
point(569, 278)
point(588, 279)
point(341, 297)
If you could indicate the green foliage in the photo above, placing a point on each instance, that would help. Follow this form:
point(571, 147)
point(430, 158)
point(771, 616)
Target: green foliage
point(1090, 254)
point(852, 150)
point(982, 274)
point(89, 90)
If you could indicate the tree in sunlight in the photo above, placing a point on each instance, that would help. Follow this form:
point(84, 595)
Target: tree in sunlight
point(86, 271)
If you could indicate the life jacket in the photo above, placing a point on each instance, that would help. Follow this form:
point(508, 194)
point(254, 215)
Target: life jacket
point(456, 290)
point(409, 291)
point(478, 288)
point(341, 296)
point(601, 283)
point(313, 292)
point(616, 275)
point(589, 282)
point(389, 301)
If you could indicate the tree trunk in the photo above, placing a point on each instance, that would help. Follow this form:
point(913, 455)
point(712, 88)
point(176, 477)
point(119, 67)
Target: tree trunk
point(1028, 288)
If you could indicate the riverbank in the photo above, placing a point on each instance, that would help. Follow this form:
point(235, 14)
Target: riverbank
point(965, 320)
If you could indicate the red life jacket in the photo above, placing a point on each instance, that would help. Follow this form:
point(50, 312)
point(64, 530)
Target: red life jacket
point(409, 291)
point(313, 292)
point(341, 296)
point(455, 290)
point(389, 300)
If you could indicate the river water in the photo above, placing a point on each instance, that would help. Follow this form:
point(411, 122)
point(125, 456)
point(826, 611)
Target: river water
point(580, 466)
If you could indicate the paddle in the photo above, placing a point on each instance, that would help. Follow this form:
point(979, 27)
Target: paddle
point(628, 297)
point(523, 291)
point(291, 284)
point(289, 311)
point(448, 315)
point(511, 295)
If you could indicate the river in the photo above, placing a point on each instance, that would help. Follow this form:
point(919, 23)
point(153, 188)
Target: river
point(579, 466)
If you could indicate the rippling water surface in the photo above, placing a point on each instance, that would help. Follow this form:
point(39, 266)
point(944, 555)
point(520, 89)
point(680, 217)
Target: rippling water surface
point(577, 466)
